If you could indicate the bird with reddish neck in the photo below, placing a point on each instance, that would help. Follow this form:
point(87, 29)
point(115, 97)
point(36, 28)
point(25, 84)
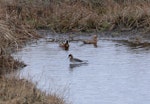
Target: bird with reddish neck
point(65, 45)
point(76, 60)
point(92, 41)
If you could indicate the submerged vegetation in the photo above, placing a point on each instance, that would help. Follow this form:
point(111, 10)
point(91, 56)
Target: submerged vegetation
point(20, 18)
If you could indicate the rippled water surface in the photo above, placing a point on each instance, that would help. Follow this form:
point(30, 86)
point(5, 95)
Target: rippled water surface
point(115, 73)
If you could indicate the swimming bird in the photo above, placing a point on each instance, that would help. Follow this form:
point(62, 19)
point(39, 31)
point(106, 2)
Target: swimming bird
point(65, 45)
point(93, 41)
point(76, 60)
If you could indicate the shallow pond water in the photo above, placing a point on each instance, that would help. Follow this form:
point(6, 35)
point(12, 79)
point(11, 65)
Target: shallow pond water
point(115, 73)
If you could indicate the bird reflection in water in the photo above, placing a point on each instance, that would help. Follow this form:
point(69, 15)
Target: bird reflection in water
point(72, 66)
point(75, 62)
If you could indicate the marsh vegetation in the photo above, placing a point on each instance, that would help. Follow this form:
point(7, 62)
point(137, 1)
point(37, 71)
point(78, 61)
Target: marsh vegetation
point(19, 20)
point(81, 15)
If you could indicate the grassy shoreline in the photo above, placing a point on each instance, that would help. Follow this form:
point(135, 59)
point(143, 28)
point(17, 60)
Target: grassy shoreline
point(14, 34)
point(20, 91)
point(19, 19)
point(81, 15)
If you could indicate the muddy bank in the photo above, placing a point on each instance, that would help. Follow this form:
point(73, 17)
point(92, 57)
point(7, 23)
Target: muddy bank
point(134, 37)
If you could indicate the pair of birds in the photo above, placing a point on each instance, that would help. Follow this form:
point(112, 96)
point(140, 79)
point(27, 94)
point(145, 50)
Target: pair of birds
point(65, 46)
point(93, 41)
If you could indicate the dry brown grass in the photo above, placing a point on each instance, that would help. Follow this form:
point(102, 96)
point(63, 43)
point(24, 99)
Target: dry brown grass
point(7, 43)
point(19, 91)
point(81, 15)
point(8, 64)
point(15, 31)
point(131, 16)
point(19, 18)
point(11, 40)
point(13, 35)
